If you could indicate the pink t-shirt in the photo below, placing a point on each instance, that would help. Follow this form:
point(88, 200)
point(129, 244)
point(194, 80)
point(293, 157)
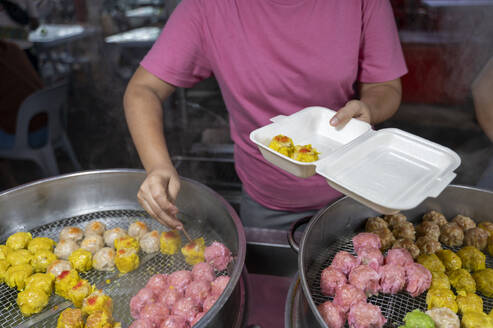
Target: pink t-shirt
point(273, 57)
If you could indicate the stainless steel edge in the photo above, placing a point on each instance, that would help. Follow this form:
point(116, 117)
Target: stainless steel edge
point(346, 215)
point(44, 201)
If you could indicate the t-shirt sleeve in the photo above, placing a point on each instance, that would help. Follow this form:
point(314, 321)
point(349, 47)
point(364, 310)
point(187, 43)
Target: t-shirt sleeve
point(178, 55)
point(380, 57)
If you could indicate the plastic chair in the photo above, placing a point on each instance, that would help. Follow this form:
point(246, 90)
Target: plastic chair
point(49, 100)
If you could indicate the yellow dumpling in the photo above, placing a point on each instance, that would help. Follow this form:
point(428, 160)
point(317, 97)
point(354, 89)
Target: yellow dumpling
point(4, 265)
point(4, 251)
point(97, 301)
point(305, 153)
point(126, 260)
point(472, 258)
point(439, 280)
point(476, 320)
point(32, 301)
point(19, 240)
point(126, 242)
point(450, 260)
point(41, 243)
point(17, 275)
point(431, 262)
point(194, 251)
point(99, 319)
point(460, 279)
point(441, 297)
point(469, 302)
point(484, 281)
point(70, 318)
point(79, 292)
point(42, 260)
point(282, 144)
point(41, 281)
point(170, 242)
point(65, 281)
point(20, 256)
point(81, 260)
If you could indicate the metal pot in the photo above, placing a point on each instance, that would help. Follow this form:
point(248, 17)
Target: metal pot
point(70, 196)
point(346, 216)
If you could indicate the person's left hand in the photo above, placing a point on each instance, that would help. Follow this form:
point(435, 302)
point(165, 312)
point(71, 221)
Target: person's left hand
point(352, 109)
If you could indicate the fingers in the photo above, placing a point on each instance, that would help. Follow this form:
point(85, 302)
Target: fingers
point(152, 197)
point(346, 113)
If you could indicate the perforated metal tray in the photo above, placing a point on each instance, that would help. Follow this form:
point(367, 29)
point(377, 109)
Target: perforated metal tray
point(393, 307)
point(120, 287)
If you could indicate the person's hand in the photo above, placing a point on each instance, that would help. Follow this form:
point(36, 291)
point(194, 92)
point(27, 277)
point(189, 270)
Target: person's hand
point(157, 196)
point(352, 109)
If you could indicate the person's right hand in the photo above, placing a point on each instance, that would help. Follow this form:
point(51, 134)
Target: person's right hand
point(157, 196)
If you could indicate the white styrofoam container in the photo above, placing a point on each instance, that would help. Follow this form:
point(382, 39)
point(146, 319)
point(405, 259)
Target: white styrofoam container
point(388, 170)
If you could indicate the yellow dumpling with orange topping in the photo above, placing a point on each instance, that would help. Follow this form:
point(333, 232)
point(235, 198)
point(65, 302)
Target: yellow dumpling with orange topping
point(70, 318)
point(127, 242)
point(305, 153)
point(194, 251)
point(126, 260)
point(65, 281)
point(97, 301)
point(282, 144)
point(79, 292)
point(170, 242)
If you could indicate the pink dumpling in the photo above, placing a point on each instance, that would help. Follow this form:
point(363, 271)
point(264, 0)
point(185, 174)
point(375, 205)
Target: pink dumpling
point(198, 290)
point(348, 295)
point(392, 278)
point(197, 318)
point(186, 308)
point(155, 313)
point(209, 302)
point(158, 282)
point(169, 297)
point(332, 315)
point(180, 280)
point(203, 271)
point(219, 285)
point(143, 297)
point(366, 239)
point(142, 323)
point(418, 279)
point(370, 256)
point(330, 280)
point(366, 279)
point(365, 315)
point(399, 256)
point(174, 321)
point(218, 256)
point(344, 262)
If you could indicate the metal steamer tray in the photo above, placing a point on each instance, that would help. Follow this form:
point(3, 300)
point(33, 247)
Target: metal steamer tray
point(333, 227)
point(45, 207)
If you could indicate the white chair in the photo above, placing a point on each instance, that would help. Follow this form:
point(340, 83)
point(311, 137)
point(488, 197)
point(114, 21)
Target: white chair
point(49, 100)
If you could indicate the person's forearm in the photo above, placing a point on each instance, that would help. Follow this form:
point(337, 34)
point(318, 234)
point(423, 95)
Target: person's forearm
point(482, 94)
point(143, 111)
point(383, 99)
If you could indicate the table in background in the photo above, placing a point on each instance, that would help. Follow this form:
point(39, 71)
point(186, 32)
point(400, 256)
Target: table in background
point(53, 45)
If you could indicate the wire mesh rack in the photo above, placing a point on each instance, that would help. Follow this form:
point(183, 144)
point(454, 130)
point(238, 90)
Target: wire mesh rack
point(393, 307)
point(121, 288)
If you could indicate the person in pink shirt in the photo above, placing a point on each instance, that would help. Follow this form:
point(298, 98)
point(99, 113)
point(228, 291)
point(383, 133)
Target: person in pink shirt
point(269, 57)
